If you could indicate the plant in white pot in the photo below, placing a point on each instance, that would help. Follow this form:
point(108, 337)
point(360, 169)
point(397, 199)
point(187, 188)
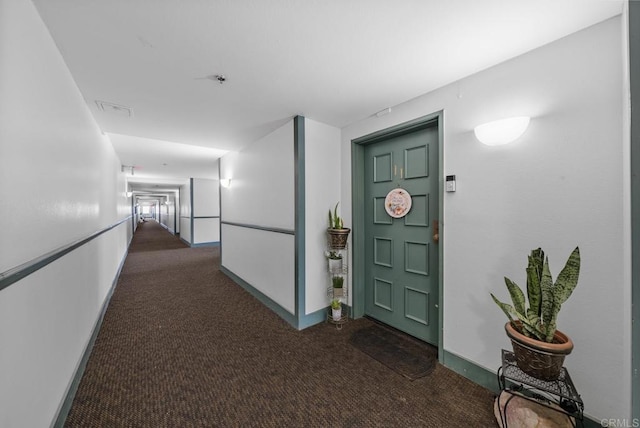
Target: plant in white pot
point(337, 282)
point(335, 261)
point(336, 310)
point(538, 346)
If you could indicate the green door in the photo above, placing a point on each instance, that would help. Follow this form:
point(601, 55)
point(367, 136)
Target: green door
point(401, 254)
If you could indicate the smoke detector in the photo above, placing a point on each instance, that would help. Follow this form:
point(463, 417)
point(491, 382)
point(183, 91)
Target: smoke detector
point(220, 78)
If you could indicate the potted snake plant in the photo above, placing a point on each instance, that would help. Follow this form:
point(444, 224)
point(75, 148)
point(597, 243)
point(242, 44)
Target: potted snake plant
point(338, 234)
point(538, 346)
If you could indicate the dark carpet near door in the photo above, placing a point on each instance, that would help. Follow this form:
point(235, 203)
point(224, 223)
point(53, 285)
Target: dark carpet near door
point(181, 345)
point(407, 357)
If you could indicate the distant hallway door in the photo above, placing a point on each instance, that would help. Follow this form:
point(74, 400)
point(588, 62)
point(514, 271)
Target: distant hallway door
point(401, 256)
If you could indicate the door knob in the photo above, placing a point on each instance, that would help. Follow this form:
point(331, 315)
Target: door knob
point(436, 231)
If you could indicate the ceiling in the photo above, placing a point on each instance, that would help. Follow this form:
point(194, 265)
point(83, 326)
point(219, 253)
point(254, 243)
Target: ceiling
point(334, 61)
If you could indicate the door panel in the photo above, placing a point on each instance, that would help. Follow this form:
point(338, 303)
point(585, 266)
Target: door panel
point(401, 260)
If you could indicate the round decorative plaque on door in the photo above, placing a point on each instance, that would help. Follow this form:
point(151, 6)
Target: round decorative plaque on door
point(397, 203)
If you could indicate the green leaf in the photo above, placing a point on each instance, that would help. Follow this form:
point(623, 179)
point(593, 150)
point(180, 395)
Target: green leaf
point(532, 331)
point(534, 276)
point(568, 278)
point(506, 308)
point(517, 296)
point(550, 331)
point(546, 286)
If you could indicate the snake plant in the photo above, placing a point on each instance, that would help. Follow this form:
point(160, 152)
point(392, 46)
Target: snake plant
point(335, 222)
point(545, 297)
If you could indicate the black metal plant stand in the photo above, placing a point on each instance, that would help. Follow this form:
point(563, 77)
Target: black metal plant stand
point(560, 392)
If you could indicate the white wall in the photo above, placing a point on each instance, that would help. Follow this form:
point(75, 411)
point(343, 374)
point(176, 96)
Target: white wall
point(206, 203)
point(169, 213)
point(262, 181)
point(322, 189)
point(60, 180)
point(559, 186)
point(261, 194)
point(185, 212)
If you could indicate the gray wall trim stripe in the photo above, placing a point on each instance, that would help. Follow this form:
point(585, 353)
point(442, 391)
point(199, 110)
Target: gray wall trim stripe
point(25, 269)
point(206, 244)
point(299, 216)
point(255, 226)
point(634, 82)
point(267, 301)
point(471, 371)
point(206, 216)
point(65, 406)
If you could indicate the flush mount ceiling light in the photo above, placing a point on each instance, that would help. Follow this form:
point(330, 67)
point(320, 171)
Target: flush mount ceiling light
point(502, 131)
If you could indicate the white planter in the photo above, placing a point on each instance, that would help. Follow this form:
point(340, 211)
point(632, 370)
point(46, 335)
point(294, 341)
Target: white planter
point(336, 314)
point(335, 265)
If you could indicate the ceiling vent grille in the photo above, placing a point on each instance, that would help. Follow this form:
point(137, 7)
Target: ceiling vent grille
point(115, 108)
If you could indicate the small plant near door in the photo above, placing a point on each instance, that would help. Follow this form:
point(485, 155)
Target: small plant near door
point(336, 310)
point(338, 234)
point(335, 261)
point(337, 283)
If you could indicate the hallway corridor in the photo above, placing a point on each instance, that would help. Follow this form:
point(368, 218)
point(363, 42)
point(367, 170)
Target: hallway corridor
point(181, 345)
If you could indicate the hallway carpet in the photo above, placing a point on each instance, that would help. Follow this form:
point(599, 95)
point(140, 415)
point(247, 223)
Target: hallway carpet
point(181, 345)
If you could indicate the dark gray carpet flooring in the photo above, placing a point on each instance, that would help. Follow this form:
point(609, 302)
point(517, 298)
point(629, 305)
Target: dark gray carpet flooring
point(181, 345)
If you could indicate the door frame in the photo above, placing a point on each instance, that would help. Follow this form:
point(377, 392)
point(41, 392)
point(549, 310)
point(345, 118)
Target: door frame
point(357, 204)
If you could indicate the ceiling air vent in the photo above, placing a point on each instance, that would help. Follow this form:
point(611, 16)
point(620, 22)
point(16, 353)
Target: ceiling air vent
point(114, 108)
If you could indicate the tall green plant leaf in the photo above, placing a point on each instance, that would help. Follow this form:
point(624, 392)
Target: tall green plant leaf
point(551, 329)
point(546, 286)
point(517, 296)
point(534, 276)
point(506, 308)
point(568, 278)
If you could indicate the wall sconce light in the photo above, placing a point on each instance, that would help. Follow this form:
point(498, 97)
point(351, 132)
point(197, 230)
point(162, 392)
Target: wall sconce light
point(129, 194)
point(225, 182)
point(502, 131)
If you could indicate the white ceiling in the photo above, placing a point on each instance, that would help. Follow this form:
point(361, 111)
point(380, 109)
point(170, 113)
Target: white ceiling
point(335, 61)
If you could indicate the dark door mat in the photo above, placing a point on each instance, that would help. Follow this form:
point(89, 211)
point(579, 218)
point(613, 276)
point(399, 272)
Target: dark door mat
point(403, 355)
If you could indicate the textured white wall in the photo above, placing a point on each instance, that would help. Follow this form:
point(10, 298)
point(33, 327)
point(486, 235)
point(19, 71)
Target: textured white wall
point(559, 186)
point(262, 181)
point(206, 203)
point(206, 230)
point(261, 194)
point(322, 189)
point(185, 212)
point(262, 259)
point(205, 197)
point(60, 180)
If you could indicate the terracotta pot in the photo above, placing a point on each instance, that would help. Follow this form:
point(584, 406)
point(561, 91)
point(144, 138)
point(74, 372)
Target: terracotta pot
point(537, 358)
